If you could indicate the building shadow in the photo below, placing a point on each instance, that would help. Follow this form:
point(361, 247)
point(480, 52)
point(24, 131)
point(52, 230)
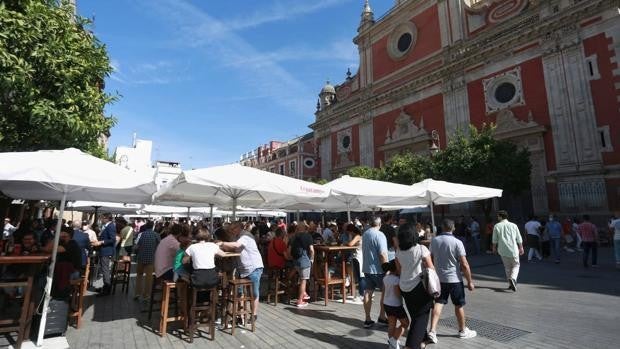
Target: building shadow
point(329, 315)
point(342, 341)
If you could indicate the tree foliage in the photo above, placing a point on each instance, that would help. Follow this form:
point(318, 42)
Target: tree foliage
point(51, 79)
point(476, 158)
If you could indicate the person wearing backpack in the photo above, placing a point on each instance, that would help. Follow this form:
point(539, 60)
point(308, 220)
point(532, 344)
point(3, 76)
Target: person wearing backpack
point(302, 252)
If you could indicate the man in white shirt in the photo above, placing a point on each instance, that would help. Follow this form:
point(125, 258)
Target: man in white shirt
point(8, 230)
point(532, 228)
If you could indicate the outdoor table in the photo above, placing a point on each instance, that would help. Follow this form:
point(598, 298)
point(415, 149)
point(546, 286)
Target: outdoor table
point(22, 325)
point(329, 250)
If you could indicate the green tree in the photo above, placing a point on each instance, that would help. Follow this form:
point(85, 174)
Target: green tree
point(365, 172)
point(479, 159)
point(407, 169)
point(51, 79)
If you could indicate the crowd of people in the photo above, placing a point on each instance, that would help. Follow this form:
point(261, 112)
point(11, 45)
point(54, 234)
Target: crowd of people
point(388, 255)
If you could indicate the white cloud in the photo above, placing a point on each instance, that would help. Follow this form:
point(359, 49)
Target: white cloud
point(341, 51)
point(279, 11)
point(148, 73)
point(212, 37)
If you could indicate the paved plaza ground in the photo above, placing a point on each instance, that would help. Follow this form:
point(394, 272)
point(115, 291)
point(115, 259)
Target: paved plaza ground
point(556, 306)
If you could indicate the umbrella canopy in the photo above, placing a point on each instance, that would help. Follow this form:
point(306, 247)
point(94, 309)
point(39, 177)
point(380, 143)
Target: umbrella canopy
point(68, 175)
point(232, 185)
point(47, 174)
point(99, 206)
point(356, 193)
point(446, 193)
point(431, 192)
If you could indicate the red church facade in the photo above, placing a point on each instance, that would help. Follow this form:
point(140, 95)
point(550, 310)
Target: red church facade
point(545, 72)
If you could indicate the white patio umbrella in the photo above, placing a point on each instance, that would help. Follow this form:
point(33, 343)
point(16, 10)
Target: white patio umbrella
point(100, 206)
point(233, 185)
point(432, 192)
point(355, 192)
point(68, 175)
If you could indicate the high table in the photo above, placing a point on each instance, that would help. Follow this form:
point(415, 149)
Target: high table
point(327, 280)
point(22, 325)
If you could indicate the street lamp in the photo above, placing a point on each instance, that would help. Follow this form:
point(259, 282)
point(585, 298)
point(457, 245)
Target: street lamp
point(434, 149)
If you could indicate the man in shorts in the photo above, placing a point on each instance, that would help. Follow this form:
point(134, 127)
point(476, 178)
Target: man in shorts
point(375, 252)
point(450, 260)
point(302, 252)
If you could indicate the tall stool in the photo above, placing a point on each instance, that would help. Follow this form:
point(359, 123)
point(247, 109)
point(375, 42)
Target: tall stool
point(121, 275)
point(245, 298)
point(168, 292)
point(199, 307)
point(169, 289)
point(277, 284)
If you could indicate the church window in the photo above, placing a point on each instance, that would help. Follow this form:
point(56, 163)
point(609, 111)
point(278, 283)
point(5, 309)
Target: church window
point(401, 40)
point(282, 169)
point(505, 92)
point(346, 142)
point(605, 139)
point(404, 42)
point(592, 68)
point(309, 163)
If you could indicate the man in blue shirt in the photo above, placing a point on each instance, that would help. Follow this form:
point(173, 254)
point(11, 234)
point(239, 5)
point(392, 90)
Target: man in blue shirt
point(375, 252)
point(554, 229)
point(106, 243)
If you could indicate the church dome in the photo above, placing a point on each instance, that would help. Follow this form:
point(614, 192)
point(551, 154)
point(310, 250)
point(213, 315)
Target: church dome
point(328, 88)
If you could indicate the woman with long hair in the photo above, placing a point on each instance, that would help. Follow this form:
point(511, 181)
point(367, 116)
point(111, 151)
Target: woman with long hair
point(411, 258)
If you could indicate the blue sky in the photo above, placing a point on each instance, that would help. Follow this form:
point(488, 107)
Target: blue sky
point(208, 80)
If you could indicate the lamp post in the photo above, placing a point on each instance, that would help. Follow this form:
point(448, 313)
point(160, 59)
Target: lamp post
point(436, 146)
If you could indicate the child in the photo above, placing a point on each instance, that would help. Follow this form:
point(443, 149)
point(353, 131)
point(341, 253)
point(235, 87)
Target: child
point(180, 271)
point(393, 305)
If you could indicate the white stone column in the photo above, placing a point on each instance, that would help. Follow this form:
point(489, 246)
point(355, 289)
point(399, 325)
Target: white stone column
point(455, 105)
point(325, 151)
point(366, 138)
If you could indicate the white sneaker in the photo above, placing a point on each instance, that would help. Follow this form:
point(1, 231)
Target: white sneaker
point(467, 333)
point(432, 336)
point(357, 300)
point(393, 343)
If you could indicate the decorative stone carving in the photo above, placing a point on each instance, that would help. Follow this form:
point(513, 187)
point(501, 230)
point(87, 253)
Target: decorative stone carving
point(345, 141)
point(404, 128)
point(503, 91)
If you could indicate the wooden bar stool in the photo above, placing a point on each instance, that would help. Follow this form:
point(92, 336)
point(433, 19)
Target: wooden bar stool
point(78, 290)
point(121, 275)
point(244, 297)
point(169, 293)
point(159, 287)
point(198, 308)
point(278, 284)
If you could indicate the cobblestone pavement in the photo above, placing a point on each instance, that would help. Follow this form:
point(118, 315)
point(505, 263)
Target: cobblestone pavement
point(556, 306)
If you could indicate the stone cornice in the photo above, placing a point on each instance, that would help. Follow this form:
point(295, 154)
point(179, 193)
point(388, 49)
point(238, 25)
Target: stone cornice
point(500, 40)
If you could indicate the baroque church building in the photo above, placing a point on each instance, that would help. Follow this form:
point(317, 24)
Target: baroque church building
point(544, 71)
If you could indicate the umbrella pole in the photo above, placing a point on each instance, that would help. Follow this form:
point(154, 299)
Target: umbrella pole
point(348, 212)
point(188, 214)
point(432, 218)
point(50, 272)
point(234, 209)
point(211, 216)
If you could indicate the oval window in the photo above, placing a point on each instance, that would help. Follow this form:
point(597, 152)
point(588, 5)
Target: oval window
point(404, 42)
point(346, 142)
point(505, 92)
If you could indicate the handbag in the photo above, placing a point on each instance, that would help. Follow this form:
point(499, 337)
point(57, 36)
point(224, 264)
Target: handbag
point(431, 282)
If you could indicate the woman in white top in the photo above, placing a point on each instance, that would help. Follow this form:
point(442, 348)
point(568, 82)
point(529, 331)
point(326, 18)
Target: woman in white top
point(355, 239)
point(410, 259)
point(202, 255)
